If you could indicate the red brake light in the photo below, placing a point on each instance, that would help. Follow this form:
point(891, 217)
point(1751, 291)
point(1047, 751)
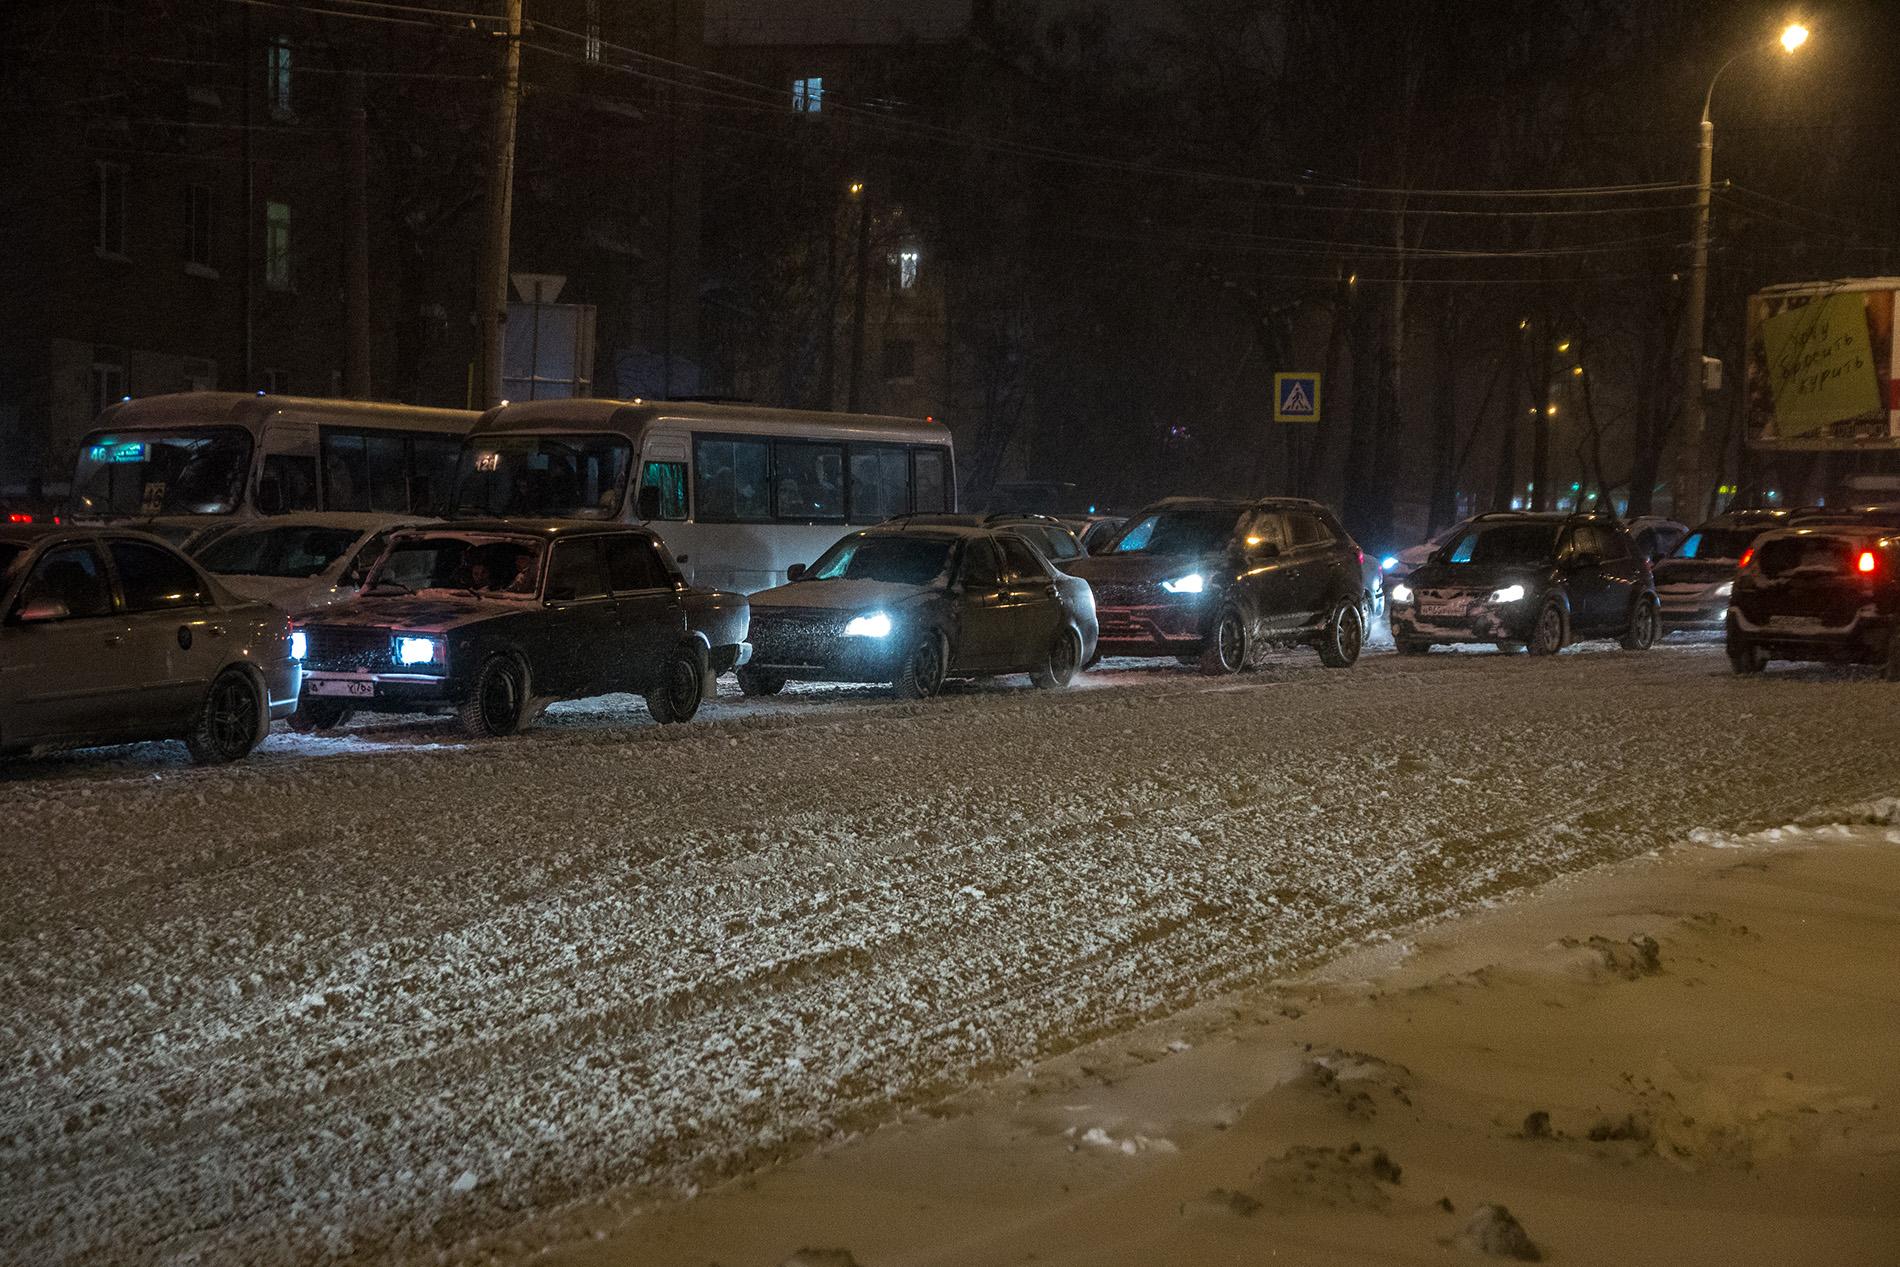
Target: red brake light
point(17, 518)
point(1748, 556)
point(1866, 562)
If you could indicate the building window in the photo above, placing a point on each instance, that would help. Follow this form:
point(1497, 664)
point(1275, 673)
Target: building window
point(900, 358)
point(112, 209)
point(198, 227)
point(808, 95)
point(590, 40)
point(277, 274)
point(904, 269)
point(277, 77)
point(108, 378)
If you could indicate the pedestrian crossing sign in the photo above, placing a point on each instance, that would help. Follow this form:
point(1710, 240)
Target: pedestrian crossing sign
point(1296, 397)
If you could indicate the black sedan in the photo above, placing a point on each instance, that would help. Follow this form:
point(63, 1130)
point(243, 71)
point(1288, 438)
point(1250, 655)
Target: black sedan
point(1209, 581)
point(1520, 579)
point(1819, 592)
point(497, 619)
point(1695, 581)
point(914, 604)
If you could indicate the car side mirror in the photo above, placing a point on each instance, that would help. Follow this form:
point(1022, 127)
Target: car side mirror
point(648, 504)
point(795, 572)
point(41, 610)
point(270, 496)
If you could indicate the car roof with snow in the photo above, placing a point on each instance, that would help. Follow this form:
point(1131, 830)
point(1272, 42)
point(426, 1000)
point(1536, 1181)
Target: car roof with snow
point(545, 528)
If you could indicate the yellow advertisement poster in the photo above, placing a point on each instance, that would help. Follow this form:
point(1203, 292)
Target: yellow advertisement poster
point(1820, 365)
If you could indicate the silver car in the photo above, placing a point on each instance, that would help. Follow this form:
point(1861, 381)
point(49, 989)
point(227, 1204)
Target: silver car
point(299, 563)
point(111, 636)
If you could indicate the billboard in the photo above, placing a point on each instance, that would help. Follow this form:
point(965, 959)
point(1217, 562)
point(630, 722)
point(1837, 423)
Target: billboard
point(1820, 366)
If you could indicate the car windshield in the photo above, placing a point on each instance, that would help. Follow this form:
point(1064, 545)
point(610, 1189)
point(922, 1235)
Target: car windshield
point(276, 551)
point(1715, 544)
point(1503, 543)
point(901, 560)
point(543, 477)
point(488, 567)
point(178, 472)
point(1198, 531)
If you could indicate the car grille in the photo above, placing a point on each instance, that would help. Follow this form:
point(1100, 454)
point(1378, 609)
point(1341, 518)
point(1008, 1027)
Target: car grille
point(796, 635)
point(335, 648)
point(1127, 594)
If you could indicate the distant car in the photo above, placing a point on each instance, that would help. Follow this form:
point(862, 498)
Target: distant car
point(1517, 578)
point(1817, 592)
point(1094, 532)
point(493, 619)
point(1396, 567)
point(110, 636)
point(1655, 536)
point(1209, 581)
point(912, 604)
point(299, 562)
point(1049, 535)
point(1878, 514)
point(1693, 583)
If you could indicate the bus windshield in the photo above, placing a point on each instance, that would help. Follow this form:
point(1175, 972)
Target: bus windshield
point(543, 476)
point(172, 472)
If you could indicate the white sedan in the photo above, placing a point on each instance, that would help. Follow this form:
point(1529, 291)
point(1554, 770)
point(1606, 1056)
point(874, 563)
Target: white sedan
point(300, 562)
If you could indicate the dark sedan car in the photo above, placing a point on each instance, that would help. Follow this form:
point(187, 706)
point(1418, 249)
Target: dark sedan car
point(1818, 592)
point(913, 604)
point(1533, 580)
point(495, 619)
point(1694, 582)
point(1208, 581)
point(110, 636)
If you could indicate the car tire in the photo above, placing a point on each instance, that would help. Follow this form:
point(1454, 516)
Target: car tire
point(1410, 646)
point(1645, 627)
point(681, 688)
point(753, 682)
point(229, 722)
point(313, 717)
point(1059, 662)
point(497, 700)
point(1226, 649)
point(1745, 657)
point(1547, 635)
point(925, 665)
point(1343, 638)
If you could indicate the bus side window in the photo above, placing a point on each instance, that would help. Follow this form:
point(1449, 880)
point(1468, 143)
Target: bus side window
point(930, 487)
point(663, 490)
point(294, 477)
point(880, 483)
point(345, 471)
point(733, 479)
point(432, 473)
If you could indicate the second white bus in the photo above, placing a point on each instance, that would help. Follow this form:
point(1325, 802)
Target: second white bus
point(739, 493)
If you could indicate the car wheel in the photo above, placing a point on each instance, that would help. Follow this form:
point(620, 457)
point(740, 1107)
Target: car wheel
point(1345, 635)
point(1645, 627)
point(1410, 646)
point(678, 696)
point(228, 724)
point(317, 715)
point(1745, 657)
point(495, 704)
point(924, 668)
point(1059, 662)
point(1547, 636)
point(1226, 649)
point(753, 682)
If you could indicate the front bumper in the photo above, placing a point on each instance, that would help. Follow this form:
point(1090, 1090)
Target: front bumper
point(1150, 628)
point(1462, 620)
point(380, 692)
point(1691, 607)
point(816, 649)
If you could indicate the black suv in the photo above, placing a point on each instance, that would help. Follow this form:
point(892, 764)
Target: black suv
point(1823, 591)
point(1209, 580)
point(1517, 578)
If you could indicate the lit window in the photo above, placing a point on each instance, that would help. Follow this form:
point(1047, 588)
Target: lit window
point(277, 77)
point(277, 275)
point(590, 40)
point(198, 225)
point(905, 263)
point(808, 95)
point(112, 209)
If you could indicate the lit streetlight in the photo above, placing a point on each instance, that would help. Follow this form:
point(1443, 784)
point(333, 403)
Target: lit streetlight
point(1690, 478)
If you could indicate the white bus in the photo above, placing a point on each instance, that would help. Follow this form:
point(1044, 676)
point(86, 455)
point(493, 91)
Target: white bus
point(738, 492)
point(181, 463)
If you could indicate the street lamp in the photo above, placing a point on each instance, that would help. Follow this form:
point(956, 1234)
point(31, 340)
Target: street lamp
point(1690, 479)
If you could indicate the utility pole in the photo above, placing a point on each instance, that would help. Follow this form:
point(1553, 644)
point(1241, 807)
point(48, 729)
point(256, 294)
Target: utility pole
point(356, 382)
point(492, 285)
point(1690, 477)
point(855, 398)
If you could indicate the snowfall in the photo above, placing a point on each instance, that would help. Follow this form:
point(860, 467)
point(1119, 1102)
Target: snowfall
point(385, 996)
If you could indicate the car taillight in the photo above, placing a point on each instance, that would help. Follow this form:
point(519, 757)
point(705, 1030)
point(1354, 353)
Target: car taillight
point(1866, 562)
point(1748, 556)
point(17, 518)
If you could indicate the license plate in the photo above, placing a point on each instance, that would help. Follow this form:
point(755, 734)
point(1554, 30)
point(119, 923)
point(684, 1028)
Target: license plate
point(1442, 607)
point(360, 688)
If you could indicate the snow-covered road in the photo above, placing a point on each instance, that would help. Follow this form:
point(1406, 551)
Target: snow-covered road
point(385, 995)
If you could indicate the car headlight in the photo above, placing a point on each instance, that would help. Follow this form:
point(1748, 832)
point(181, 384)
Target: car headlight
point(1725, 589)
point(869, 625)
point(299, 644)
point(1192, 583)
point(1389, 562)
point(1401, 593)
point(418, 650)
point(1509, 594)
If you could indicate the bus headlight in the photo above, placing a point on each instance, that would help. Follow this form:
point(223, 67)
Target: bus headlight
point(1192, 583)
point(869, 625)
point(417, 651)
